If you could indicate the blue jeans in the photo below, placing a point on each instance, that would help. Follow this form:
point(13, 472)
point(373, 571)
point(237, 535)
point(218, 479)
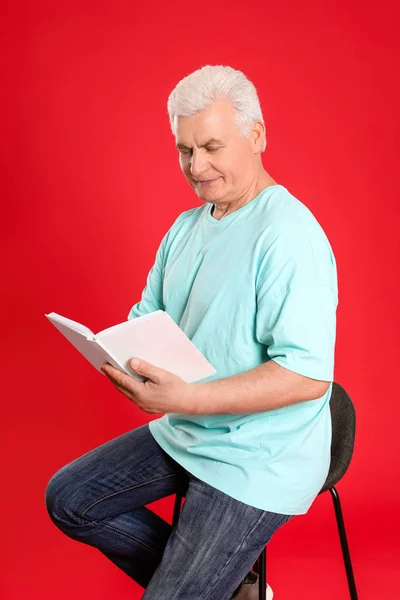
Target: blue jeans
point(99, 499)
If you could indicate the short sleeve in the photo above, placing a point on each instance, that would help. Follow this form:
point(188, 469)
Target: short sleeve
point(296, 303)
point(152, 295)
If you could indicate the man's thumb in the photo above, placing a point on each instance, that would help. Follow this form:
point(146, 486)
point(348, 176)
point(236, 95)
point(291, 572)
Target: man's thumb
point(138, 365)
point(144, 368)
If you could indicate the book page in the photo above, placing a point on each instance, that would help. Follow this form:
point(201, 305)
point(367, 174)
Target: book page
point(156, 338)
point(90, 348)
point(70, 324)
point(104, 332)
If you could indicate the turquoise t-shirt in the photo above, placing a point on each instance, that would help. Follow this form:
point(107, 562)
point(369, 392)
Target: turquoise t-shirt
point(258, 284)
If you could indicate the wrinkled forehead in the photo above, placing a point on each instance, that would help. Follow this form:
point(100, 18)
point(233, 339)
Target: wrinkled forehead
point(214, 122)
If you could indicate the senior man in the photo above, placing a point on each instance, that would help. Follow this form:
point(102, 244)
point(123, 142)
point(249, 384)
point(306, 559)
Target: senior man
point(251, 279)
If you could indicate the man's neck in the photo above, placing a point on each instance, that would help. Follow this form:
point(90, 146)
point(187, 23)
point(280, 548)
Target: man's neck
point(218, 213)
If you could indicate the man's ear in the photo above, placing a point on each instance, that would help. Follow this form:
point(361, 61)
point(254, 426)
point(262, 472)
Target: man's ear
point(257, 136)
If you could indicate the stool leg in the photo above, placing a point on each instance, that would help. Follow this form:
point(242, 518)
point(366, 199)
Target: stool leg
point(262, 574)
point(343, 541)
point(177, 509)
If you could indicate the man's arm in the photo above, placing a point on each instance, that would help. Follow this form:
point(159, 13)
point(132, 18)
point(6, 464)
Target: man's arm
point(266, 387)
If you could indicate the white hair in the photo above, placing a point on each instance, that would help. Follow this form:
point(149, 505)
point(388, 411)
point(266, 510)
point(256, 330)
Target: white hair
point(200, 89)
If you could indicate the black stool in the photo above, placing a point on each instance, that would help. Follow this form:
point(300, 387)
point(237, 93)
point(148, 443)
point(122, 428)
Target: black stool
point(343, 433)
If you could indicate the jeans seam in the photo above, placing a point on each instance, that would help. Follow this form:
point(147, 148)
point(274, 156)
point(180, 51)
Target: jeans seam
point(233, 555)
point(242, 543)
point(115, 493)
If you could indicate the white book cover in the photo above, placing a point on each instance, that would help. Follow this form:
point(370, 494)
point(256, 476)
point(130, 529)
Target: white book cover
point(154, 337)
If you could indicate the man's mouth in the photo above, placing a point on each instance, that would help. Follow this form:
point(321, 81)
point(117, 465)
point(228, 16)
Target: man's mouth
point(205, 181)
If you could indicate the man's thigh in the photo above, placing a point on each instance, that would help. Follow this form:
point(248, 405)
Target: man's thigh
point(214, 545)
point(122, 474)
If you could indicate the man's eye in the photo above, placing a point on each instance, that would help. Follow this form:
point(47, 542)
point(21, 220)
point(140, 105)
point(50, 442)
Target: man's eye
point(189, 151)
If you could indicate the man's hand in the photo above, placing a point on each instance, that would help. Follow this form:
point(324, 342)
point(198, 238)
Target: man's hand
point(163, 392)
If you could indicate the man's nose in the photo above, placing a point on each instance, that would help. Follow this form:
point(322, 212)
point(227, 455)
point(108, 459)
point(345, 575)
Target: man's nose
point(198, 164)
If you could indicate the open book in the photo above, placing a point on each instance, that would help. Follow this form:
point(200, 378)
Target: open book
point(155, 337)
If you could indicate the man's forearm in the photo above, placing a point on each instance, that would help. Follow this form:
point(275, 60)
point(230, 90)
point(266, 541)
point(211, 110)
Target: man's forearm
point(266, 387)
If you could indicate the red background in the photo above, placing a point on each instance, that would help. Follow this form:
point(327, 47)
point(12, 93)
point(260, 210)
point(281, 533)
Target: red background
point(91, 183)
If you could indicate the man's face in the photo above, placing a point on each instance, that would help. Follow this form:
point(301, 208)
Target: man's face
point(217, 162)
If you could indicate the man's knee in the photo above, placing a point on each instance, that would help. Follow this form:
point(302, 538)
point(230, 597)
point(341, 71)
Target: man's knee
point(61, 499)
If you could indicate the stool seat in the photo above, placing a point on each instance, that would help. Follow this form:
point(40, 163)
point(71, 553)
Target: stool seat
point(343, 418)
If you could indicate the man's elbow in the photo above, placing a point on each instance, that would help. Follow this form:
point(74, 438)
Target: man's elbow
point(319, 388)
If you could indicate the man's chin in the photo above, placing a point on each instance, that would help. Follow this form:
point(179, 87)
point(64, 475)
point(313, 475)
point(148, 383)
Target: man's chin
point(208, 195)
point(208, 198)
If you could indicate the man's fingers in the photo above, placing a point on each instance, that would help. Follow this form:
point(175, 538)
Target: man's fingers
point(117, 376)
point(118, 379)
point(121, 389)
point(121, 380)
point(124, 391)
